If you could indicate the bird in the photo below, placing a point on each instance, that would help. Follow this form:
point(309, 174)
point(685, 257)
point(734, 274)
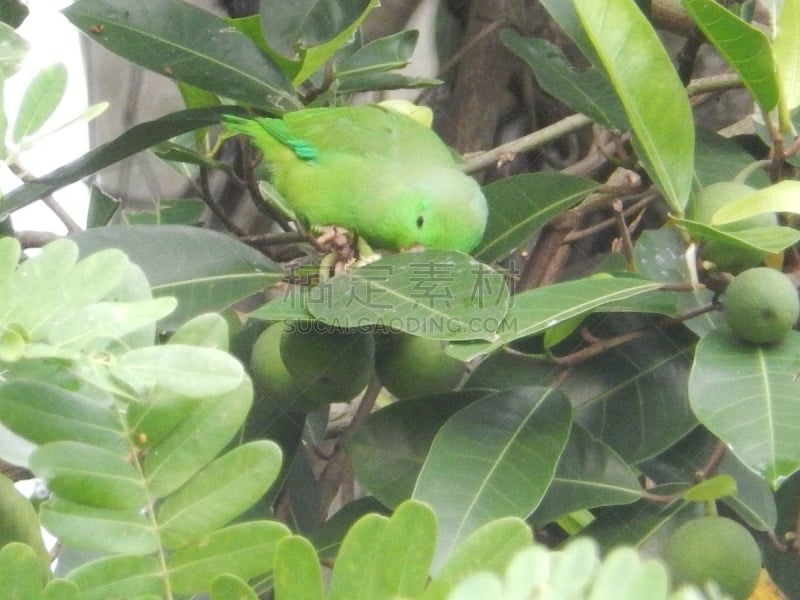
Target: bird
point(376, 171)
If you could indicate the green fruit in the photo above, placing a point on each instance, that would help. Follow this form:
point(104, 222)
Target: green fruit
point(269, 373)
point(706, 203)
point(410, 366)
point(761, 305)
point(714, 549)
point(330, 364)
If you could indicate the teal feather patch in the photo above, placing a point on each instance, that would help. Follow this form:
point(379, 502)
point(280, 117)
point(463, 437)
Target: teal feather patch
point(280, 131)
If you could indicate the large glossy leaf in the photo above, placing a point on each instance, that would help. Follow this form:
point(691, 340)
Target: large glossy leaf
point(745, 394)
point(655, 102)
point(589, 474)
point(783, 564)
point(134, 140)
point(520, 205)
point(753, 499)
point(42, 97)
point(206, 270)
point(587, 92)
point(302, 24)
point(384, 54)
point(770, 240)
point(184, 42)
point(219, 493)
point(786, 52)
point(783, 196)
point(745, 47)
point(14, 50)
point(660, 255)
point(437, 294)
point(642, 382)
point(492, 459)
point(718, 158)
point(245, 550)
point(644, 524)
point(389, 448)
point(533, 311)
point(489, 548)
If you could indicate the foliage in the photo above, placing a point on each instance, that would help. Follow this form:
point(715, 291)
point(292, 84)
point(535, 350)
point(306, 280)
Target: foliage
point(168, 474)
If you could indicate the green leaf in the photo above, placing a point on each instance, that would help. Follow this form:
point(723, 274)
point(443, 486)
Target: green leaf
point(297, 571)
point(119, 577)
point(714, 488)
point(769, 240)
point(745, 395)
point(745, 47)
point(207, 271)
point(437, 294)
point(783, 196)
point(307, 23)
point(492, 459)
point(660, 255)
point(61, 589)
point(181, 442)
point(520, 205)
point(168, 212)
point(753, 501)
point(642, 382)
point(356, 562)
point(230, 587)
point(623, 575)
point(20, 572)
point(45, 413)
point(246, 550)
point(20, 523)
point(587, 92)
point(188, 44)
point(536, 310)
point(134, 140)
point(14, 50)
point(107, 530)
point(41, 99)
point(783, 565)
point(389, 448)
point(190, 371)
point(719, 158)
point(219, 493)
point(13, 12)
point(589, 474)
point(88, 475)
point(786, 52)
point(489, 548)
point(365, 82)
point(648, 86)
point(384, 54)
point(403, 557)
point(209, 330)
point(102, 208)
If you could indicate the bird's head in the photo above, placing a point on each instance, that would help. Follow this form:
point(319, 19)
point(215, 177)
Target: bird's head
point(442, 208)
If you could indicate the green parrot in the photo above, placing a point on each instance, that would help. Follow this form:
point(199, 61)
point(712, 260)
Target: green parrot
point(372, 170)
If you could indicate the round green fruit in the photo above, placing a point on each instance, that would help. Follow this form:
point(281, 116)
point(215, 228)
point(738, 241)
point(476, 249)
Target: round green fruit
point(714, 549)
point(410, 366)
point(270, 374)
point(761, 305)
point(329, 364)
point(706, 203)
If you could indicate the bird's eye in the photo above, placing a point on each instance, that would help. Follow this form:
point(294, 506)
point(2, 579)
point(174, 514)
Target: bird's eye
point(420, 221)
